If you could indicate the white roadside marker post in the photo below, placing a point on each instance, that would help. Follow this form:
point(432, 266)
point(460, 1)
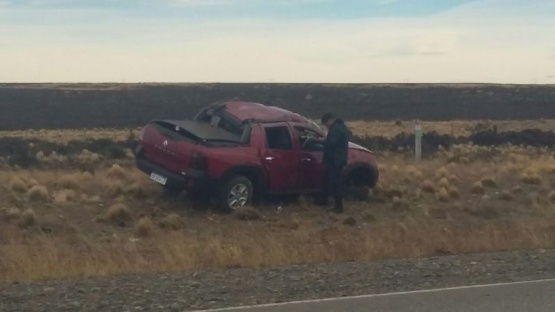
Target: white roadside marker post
point(418, 141)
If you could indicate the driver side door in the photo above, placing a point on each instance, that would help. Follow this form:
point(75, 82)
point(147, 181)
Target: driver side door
point(312, 158)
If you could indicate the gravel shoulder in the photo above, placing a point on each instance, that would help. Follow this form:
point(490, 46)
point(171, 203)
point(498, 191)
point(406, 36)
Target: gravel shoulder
point(236, 287)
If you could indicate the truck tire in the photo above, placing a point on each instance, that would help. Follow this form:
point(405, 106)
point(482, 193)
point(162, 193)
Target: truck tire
point(236, 192)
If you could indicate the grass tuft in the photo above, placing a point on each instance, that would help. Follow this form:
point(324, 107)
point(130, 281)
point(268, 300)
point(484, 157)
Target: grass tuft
point(117, 172)
point(428, 186)
point(17, 185)
point(454, 192)
point(247, 214)
point(144, 227)
point(478, 188)
point(117, 214)
point(350, 221)
point(28, 218)
point(443, 195)
point(172, 222)
point(65, 197)
point(38, 193)
point(532, 178)
point(506, 195)
point(70, 182)
point(489, 182)
point(13, 214)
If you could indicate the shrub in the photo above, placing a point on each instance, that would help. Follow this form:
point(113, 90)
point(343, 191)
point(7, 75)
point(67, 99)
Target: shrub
point(399, 204)
point(17, 185)
point(428, 186)
point(454, 192)
point(64, 197)
point(28, 218)
point(118, 214)
point(172, 222)
point(531, 178)
point(247, 214)
point(13, 214)
point(478, 188)
point(443, 195)
point(350, 221)
point(70, 182)
point(144, 227)
point(444, 183)
point(489, 182)
point(38, 193)
point(506, 195)
point(117, 172)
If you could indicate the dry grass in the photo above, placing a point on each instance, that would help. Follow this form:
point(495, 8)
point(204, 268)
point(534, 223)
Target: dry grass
point(71, 182)
point(117, 172)
point(173, 222)
point(386, 128)
point(145, 227)
point(478, 188)
point(238, 246)
point(443, 195)
point(17, 185)
point(489, 182)
point(247, 214)
point(417, 210)
point(455, 128)
point(506, 195)
point(28, 218)
point(64, 197)
point(117, 214)
point(38, 193)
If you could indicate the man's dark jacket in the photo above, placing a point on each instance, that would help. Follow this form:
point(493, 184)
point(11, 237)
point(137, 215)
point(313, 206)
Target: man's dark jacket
point(337, 144)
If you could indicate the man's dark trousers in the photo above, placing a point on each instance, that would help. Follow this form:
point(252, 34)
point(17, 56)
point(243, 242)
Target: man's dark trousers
point(333, 186)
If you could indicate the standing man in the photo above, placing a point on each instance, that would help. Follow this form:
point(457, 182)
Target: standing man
point(336, 148)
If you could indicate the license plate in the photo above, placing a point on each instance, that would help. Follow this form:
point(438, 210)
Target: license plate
point(158, 178)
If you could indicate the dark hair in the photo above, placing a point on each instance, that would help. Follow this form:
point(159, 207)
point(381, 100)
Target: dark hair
point(327, 117)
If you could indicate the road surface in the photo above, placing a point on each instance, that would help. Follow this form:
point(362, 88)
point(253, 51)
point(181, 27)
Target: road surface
point(533, 296)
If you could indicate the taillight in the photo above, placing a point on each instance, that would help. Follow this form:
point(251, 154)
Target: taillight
point(198, 161)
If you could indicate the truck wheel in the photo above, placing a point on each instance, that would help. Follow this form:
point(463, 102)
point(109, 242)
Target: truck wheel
point(237, 192)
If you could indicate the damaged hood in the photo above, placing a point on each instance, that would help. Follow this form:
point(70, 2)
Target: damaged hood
point(358, 147)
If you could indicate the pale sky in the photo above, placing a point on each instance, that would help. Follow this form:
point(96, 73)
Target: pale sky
point(336, 41)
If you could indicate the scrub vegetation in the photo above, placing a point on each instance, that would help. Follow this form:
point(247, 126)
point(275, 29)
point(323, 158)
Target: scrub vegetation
point(74, 211)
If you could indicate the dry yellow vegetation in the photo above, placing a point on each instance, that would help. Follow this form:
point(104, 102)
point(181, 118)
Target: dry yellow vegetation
point(363, 127)
point(65, 223)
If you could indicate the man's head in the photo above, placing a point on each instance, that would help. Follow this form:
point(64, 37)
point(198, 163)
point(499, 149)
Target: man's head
point(328, 120)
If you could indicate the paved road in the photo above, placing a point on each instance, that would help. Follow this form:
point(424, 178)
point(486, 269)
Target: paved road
point(535, 296)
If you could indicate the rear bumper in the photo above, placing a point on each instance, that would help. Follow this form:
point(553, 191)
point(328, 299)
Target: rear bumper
point(191, 178)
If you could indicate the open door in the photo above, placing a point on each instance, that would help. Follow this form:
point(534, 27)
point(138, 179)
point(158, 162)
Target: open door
point(312, 158)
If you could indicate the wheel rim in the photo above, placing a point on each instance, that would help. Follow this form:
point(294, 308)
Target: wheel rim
point(238, 196)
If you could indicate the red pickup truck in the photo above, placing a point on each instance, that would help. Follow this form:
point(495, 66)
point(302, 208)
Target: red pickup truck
point(238, 150)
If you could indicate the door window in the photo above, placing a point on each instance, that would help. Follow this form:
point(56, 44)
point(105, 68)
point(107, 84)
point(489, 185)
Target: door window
point(278, 138)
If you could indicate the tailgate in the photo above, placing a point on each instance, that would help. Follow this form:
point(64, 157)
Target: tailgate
point(168, 146)
point(172, 144)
